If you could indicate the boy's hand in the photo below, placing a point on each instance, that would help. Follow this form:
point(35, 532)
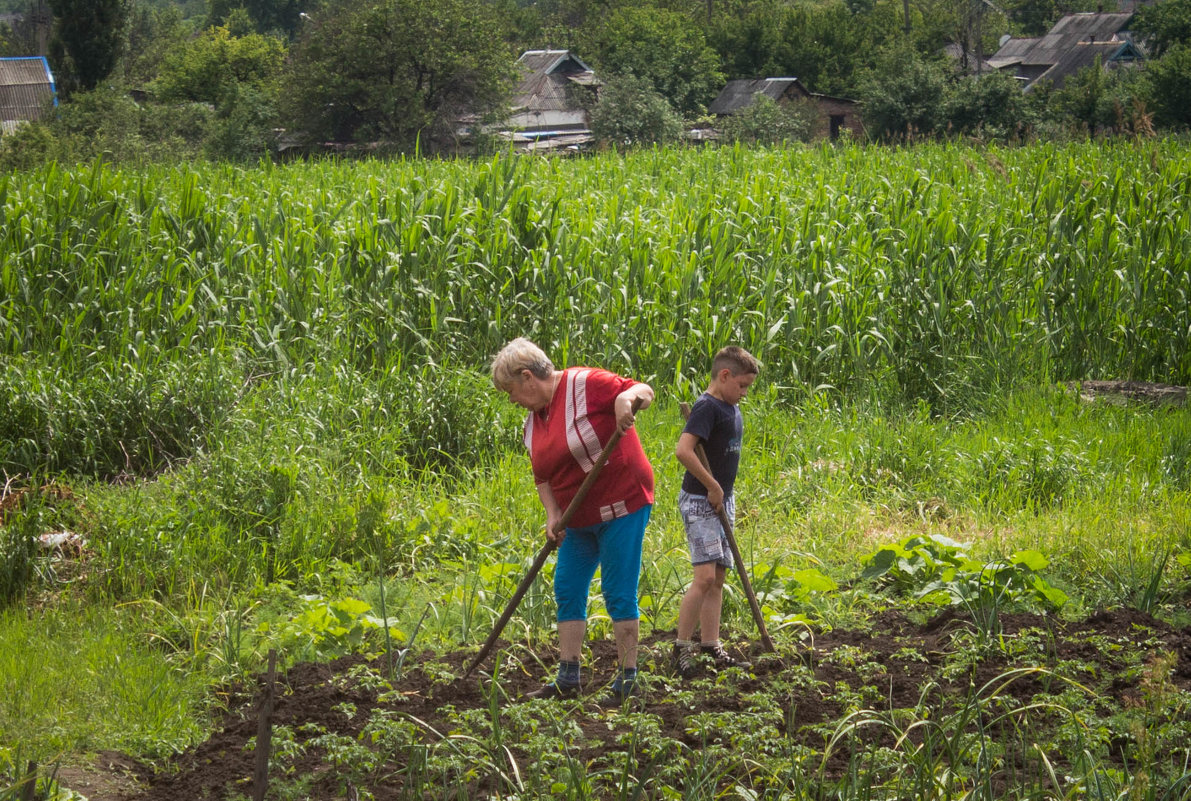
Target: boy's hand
point(715, 496)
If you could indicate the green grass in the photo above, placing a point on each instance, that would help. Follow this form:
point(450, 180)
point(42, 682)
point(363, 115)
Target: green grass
point(77, 679)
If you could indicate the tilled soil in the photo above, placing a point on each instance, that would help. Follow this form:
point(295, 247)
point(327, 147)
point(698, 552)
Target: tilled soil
point(809, 686)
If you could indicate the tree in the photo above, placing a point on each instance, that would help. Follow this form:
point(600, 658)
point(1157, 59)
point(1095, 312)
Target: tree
point(153, 36)
point(1164, 25)
point(1085, 100)
point(664, 48)
point(283, 17)
point(630, 112)
point(87, 40)
point(903, 95)
point(396, 70)
point(991, 106)
point(825, 45)
point(215, 66)
point(1167, 87)
point(28, 33)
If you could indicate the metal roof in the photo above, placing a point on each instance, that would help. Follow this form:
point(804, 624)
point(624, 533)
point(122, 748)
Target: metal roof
point(546, 75)
point(26, 88)
point(738, 95)
point(1084, 55)
point(1069, 31)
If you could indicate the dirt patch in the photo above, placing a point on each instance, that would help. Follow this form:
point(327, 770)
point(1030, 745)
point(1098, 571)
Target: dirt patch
point(798, 696)
point(1125, 391)
point(107, 776)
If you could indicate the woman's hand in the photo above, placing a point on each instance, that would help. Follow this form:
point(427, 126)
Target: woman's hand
point(623, 405)
point(552, 522)
point(553, 514)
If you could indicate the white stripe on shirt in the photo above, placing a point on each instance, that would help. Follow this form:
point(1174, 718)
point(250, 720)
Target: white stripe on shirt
point(582, 440)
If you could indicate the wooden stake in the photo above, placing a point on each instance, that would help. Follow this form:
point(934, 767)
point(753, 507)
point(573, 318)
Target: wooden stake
point(264, 733)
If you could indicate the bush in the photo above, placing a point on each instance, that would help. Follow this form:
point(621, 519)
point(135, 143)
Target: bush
point(990, 106)
point(1098, 101)
point(243, 130)
point(28, 147)
point(768, 122)
point(629, 112)
point(110, 123)
point(903, 96)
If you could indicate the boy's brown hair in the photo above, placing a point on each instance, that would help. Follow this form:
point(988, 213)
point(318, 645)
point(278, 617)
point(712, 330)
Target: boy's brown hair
point(737, 360)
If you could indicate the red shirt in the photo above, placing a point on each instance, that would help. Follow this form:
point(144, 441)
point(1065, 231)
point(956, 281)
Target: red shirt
point(566, 438)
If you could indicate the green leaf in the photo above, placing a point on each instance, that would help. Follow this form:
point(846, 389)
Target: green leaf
point(815, 580)
point(879, 563)
point(1034, 560)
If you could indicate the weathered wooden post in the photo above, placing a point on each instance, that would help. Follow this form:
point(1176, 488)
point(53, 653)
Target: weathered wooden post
point(264, 733)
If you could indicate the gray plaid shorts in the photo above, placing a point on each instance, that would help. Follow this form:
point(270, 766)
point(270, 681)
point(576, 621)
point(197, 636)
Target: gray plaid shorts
point(704, 535)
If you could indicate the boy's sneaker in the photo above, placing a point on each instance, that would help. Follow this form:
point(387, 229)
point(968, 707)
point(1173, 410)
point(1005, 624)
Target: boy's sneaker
point(555, 690)
point(682, 661)
point(721, 659)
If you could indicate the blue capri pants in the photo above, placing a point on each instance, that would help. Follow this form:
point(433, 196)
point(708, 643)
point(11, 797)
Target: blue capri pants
point(613, 546)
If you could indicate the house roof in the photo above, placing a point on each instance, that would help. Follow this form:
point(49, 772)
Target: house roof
point(26, 87)
point(1069, 31)
point(738, 95)
point(1084, 55)
point(546, 74)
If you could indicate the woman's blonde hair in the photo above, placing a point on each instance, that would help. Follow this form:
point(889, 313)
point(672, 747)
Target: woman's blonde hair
point(518, 355)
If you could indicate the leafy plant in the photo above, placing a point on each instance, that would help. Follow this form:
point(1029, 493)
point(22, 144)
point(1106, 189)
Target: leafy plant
point(938, 569)
point(766, 122)
point(323, 628)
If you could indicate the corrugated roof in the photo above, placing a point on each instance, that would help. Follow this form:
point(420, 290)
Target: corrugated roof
point(1069, 31)
point(551, 61)
point(739, 94)
point(1012, 52)
point(26, 88)
point(1084, 55)
point(546, 76)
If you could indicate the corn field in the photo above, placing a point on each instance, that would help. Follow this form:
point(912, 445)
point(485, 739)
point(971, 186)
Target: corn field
point(936, 273)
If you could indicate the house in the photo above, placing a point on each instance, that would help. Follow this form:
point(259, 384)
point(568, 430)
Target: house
point(1071, 45)
point(549, 111)
point(836, 113)
point(27, 91)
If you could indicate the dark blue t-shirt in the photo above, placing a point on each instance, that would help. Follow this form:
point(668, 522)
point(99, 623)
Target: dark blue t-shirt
point(720, 426)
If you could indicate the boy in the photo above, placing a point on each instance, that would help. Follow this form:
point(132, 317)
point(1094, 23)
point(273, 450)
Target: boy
point(715, 422)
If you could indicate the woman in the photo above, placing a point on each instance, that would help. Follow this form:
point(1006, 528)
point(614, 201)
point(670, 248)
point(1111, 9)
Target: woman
point(572, 415)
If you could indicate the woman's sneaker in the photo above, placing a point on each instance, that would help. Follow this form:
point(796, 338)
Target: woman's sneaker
point(682, 661)
point(555, 690)
point(721, 659)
